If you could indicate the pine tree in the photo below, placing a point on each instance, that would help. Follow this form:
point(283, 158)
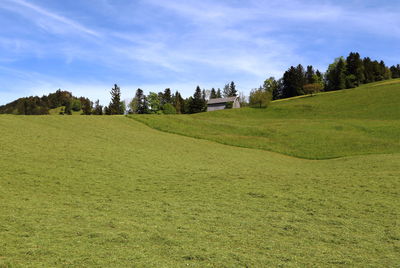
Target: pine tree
point(139, 104)
point(310, 75)
point(293, 82)
point(395, 70)
point(98, 109)
point(166, 97)
point(232, 90)
point(179, 103)
point(368, 70)
point(355, 67)
point(115, 106)
point(197, 103)
point(213, 94)
point(219, 95)
point(226, 91)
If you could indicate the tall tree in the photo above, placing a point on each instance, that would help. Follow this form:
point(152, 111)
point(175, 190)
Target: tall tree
point(395, 70)
point(226, 91)
point(368, 70)
point(293, 81)
point(179, 103)
point(166, 97)
point(310, 75)
point(139, 104)
point(354, 70)
point(98, 109)
point(86, 105)
point(213, 94)
point(115, 106)
point(154, 102)
point(219, 95)
point(272, 86)
point(232, 89)
point(197, 103)
point(336, 75)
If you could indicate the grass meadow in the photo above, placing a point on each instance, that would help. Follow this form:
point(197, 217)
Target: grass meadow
point(365, 120)
point(109, 191)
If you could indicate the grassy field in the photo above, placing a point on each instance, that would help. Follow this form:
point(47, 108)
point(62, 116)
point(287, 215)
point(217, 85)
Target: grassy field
point(56, 111)
point(108, 191)
point(359, 121)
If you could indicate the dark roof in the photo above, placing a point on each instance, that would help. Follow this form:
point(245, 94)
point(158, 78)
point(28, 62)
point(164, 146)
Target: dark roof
point(221, 100)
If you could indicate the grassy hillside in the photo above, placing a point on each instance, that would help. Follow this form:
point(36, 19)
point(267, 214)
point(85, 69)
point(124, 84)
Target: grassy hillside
point(56, 111)
point(109, 191)
point(365, 120)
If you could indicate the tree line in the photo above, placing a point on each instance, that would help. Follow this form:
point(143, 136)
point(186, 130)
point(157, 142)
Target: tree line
point(35, 105)
point(167, 102)
point(343, 73)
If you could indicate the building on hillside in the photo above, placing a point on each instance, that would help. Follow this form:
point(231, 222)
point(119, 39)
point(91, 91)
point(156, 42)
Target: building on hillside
point(222, 103)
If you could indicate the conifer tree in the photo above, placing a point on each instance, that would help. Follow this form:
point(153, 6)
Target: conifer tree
point(355, 68)
point(98, 109)
point(166, 97)
point(219, 95)
point(213, 94)
point(139, 104)
point(310, 75)
point(232, 89)
point(197, 103)
point(115, 106)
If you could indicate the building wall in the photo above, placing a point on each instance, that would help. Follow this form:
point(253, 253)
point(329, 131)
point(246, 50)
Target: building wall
point(215, 107)
point(236, 104)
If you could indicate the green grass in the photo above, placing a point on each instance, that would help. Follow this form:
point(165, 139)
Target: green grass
point(56, 111)
point(108, 191)
point(365, 120)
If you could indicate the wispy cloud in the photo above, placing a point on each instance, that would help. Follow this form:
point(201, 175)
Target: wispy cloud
point(46, 19)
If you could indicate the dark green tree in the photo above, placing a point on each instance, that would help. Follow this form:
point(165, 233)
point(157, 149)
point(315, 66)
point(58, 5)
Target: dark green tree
point(232, 90)
point(213, 94)
point(310, 75)
point(336, 75)
point(76, 105)
point(166, 97)
point(219, 95)
point(197, 103)
point(68, 108)
point(293, 82)
point(139, 104)
point(115, 106)
point(98, 109)
point(87, 106)
point(179, 103)
point(395, 70)
point(354, 70)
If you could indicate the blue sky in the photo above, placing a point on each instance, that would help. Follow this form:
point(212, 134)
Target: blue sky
point(87, 46)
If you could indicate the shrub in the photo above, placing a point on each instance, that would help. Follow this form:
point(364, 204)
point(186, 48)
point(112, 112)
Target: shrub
point(312, 88)
point(260, 98)
point(168, 108)
point(76, 105)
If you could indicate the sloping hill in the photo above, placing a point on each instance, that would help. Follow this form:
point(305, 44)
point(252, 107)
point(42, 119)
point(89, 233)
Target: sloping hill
point(365, 120)
point(106, 191)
